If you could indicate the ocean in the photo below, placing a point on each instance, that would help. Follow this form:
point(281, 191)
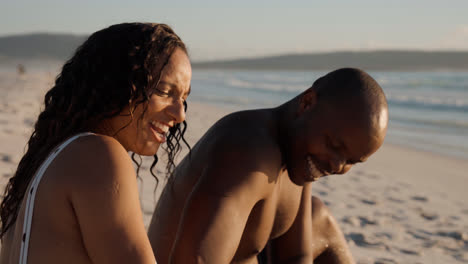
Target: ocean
point(428, 110)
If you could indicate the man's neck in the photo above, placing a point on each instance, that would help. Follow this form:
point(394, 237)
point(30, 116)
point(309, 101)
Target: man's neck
point(284, 116)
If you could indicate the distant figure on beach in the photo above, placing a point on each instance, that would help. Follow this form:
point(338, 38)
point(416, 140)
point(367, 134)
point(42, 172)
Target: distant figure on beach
point(21, 72)
point(248, 181)
point(21, 69)
point(74, 196)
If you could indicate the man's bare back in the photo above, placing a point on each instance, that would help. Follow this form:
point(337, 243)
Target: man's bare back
point(235, 192)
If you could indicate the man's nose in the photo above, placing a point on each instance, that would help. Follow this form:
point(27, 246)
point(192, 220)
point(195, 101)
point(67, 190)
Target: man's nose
point(337, 165)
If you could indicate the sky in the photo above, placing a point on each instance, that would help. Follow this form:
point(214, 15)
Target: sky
point(247, 28)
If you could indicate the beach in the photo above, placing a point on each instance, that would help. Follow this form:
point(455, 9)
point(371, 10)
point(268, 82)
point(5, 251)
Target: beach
point(406, 204)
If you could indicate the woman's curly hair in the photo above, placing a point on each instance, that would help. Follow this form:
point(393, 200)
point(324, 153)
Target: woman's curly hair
point(115, 66)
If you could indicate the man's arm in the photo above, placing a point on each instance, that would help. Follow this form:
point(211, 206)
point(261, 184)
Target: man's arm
point(328, 243)
point(217, 210)
point(295, 246)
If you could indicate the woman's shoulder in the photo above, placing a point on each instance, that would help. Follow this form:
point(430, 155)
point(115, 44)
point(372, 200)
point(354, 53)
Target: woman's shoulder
point(94, 160)
point(95, 148)
point(93, 140)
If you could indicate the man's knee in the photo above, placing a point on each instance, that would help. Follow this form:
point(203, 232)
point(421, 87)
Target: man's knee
point(320, 213)
point(323, 222)
point(329, 244)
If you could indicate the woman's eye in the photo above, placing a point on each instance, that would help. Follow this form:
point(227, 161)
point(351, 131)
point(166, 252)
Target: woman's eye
point(161, 92)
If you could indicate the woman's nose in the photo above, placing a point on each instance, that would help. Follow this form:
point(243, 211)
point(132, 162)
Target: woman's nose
point(177, 110)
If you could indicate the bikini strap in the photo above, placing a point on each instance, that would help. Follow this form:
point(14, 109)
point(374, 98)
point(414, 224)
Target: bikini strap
point(31, 195)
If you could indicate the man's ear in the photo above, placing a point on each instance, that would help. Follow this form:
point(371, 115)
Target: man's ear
point(307, 101)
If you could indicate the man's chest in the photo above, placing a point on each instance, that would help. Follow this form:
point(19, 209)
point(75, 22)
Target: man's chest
point(288, 200)
point(271, 217)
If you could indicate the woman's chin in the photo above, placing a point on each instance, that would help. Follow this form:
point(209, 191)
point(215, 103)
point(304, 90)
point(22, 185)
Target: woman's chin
point(148, 150)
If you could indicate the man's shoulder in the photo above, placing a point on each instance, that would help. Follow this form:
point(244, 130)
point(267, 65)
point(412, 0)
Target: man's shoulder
point(248, 135)
point(243, 148)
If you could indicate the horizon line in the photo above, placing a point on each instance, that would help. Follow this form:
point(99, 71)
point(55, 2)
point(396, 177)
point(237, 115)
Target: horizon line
point(324, 52)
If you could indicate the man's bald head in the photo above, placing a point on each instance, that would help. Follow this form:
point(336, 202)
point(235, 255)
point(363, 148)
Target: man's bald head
point(347, 85)
point(354, 90)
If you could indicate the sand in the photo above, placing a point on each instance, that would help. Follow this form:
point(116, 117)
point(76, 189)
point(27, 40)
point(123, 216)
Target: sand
point(401, 206)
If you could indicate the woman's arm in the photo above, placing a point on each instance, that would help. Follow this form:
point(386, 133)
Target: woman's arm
point(104, 196)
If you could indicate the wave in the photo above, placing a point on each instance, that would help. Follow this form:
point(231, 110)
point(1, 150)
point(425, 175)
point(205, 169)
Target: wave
point(455, 126)
point(429, 110)
point(234, 101)
point(424, 81)
point(265, 86)
point(411, 83)
point(434, 91)
point(429, 102)
point(259, 81)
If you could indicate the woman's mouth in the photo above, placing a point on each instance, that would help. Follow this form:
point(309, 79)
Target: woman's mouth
point(159, 131)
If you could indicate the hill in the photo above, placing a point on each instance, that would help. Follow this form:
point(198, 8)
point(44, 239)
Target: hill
point(39, 46)
point(368, 60)
point(62, 46)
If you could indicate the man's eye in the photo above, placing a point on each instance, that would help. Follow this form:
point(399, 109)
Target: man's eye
point(330, 143)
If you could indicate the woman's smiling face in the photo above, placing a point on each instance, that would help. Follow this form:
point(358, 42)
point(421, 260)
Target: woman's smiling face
point(146, 130)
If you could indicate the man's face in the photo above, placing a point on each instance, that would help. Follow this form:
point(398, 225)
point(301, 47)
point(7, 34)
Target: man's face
point(330, 139)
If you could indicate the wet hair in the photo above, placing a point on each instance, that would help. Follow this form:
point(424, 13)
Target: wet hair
point(113, 67)
point(346, 84)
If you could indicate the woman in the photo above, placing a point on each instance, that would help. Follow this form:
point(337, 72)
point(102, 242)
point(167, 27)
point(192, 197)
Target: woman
point(74, 196)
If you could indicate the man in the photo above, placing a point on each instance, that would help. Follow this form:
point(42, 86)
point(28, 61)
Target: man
point(247, 182)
